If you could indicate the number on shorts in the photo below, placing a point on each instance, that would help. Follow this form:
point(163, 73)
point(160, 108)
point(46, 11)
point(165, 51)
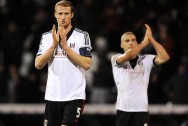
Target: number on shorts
point(78, 112)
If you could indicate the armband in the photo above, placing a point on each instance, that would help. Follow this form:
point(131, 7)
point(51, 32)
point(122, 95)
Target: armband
point(85, 51)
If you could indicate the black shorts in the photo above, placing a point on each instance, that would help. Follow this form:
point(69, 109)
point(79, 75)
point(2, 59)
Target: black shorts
point(132, 118)
point(63, 113)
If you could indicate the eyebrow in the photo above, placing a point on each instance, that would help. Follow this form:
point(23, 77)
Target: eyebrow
point(130, 39)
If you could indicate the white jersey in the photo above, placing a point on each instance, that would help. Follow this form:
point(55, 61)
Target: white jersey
point(132, 84)
point(66, 80)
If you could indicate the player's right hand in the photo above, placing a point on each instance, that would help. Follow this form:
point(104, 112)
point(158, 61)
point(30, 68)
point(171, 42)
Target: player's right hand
point(146, 38)
point(55, 36)
point(149, 33)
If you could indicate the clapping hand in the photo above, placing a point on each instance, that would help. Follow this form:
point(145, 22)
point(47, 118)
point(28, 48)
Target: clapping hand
point(63, 36)
point(149, 33)
point(55, 36)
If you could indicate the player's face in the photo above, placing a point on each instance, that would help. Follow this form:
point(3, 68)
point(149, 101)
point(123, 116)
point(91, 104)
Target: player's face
point(128, 42)
point(63, 16)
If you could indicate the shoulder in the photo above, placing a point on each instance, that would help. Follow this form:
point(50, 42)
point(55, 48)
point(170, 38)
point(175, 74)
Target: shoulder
point(46, 36)
point(48, 33)
point(79, 31)
point(146, 56)
point(114, 57)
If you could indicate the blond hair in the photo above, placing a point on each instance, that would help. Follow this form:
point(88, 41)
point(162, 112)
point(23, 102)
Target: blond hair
point(127, 33)
point(64, 3)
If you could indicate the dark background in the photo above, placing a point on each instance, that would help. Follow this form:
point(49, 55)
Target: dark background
point(22, 23)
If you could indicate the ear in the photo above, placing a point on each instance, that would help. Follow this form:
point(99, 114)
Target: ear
point(121, 45)
point(72, 15)
point(55, 15)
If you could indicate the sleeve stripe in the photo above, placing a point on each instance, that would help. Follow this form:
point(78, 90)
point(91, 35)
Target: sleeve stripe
point(86, 36)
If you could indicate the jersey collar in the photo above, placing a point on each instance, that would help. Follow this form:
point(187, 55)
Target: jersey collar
point(70, 32)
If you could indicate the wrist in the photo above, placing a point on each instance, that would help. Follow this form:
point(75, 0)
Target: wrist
point(144, 42)
point(66, 48)
point(53, 46)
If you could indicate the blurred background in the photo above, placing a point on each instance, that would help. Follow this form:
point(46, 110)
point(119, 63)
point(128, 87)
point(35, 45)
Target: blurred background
point(22, 23)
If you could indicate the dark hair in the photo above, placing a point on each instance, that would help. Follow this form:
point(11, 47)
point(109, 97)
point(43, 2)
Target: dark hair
point(64, 3)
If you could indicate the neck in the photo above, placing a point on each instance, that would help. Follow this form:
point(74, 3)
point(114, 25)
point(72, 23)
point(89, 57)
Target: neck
point(135, 57)
point(67, 28)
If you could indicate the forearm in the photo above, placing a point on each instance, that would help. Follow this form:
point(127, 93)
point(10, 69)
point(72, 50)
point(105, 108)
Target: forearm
point(82, 61)
point(161, 52)
point(162, 55)
point(131, 53)
point(135, 51)
point(41, 61)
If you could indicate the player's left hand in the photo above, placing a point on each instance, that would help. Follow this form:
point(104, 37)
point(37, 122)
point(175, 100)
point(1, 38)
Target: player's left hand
point(146, 38)
point(63, 36)
point(149, 33)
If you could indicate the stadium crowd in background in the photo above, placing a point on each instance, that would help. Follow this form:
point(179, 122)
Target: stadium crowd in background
point(22, 23)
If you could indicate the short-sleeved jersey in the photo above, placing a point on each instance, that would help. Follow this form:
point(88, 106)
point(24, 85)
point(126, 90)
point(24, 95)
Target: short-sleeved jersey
point(132, 83)
point(66, 80)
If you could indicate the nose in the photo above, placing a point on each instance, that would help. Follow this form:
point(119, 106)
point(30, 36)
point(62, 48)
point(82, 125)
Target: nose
point(131, 42)
point(63, 16)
